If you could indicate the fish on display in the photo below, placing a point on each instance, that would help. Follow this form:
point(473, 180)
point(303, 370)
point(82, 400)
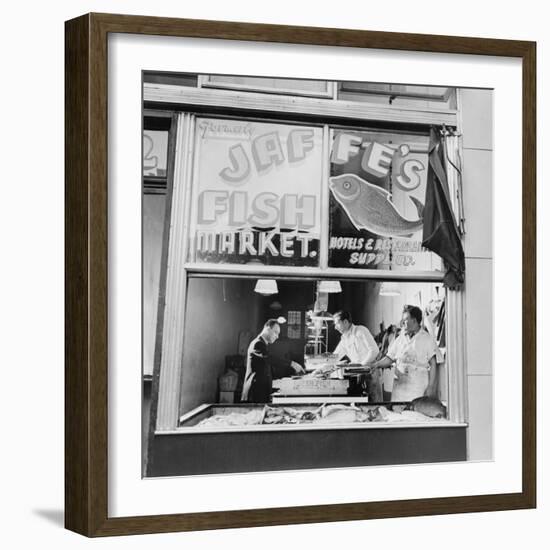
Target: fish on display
point(430, 406)
point(370, 207)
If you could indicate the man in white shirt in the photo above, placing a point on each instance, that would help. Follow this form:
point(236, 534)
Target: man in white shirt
point(358, 345)
point(356, 341)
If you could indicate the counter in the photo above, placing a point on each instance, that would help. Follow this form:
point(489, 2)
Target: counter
point(191, 449)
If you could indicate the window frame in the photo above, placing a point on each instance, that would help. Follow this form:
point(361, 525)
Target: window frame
point(206, 81)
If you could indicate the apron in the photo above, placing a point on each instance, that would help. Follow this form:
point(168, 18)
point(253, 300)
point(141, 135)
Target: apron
point(412, 376)
point(411, 383)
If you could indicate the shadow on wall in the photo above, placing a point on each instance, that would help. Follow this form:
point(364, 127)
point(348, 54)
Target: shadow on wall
point(293, 296)
point(57, 517)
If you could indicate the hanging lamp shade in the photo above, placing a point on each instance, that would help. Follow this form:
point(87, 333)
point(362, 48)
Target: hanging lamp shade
point(321, 316)
point(389, 288)
point(330, 287)
point(266, 287)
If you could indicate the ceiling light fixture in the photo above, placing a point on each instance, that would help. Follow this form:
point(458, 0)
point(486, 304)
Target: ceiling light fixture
point(330, 287)
point(266, 287)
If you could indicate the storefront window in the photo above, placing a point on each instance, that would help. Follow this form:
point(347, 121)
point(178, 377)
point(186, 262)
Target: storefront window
point(260, 194)
point(157, 143)
point(332, 372)
point(294, 288)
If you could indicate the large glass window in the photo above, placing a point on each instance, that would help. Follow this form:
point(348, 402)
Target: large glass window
point(323, 202)
point(331, 217)
point(230, 312)
point(157, 156)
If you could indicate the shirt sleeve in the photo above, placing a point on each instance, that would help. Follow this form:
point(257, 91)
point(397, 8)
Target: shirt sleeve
point(432, 349)
point(340, 349)
point(393, 349)
point(369, 349)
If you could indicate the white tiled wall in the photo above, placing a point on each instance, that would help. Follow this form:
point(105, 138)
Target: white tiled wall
point(477, 129)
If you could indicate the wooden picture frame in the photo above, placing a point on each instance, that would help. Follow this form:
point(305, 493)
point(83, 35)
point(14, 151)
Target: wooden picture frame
point(86, 295)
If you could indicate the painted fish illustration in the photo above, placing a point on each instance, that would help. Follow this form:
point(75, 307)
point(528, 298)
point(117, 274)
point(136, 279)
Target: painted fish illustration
point(370, 207)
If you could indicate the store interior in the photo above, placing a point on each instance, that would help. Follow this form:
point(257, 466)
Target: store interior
point(237, 307)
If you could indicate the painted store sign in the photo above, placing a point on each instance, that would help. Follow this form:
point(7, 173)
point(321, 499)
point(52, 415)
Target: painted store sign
point(155, 152)
point(257, 197)
point(377, 188)
point(257, 189)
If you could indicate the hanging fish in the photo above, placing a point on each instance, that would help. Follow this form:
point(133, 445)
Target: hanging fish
point(370, 207)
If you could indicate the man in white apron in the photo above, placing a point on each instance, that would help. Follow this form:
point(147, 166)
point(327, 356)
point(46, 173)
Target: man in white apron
point(415, 354)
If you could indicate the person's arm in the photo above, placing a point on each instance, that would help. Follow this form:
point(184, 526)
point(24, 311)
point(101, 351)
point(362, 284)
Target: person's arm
point(389, 359)
point(383, 363)
point(340, 350)
point(258, 355)
point(431, 390)
point(282, 367)
point(369, 347)
point(298, 369)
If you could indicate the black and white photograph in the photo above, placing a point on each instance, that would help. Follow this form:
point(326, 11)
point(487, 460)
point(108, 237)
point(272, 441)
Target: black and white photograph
point(317, 274)
point(274, 274)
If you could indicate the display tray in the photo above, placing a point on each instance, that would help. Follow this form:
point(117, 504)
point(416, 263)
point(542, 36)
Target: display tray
point(193, 449)
point(314, 415)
